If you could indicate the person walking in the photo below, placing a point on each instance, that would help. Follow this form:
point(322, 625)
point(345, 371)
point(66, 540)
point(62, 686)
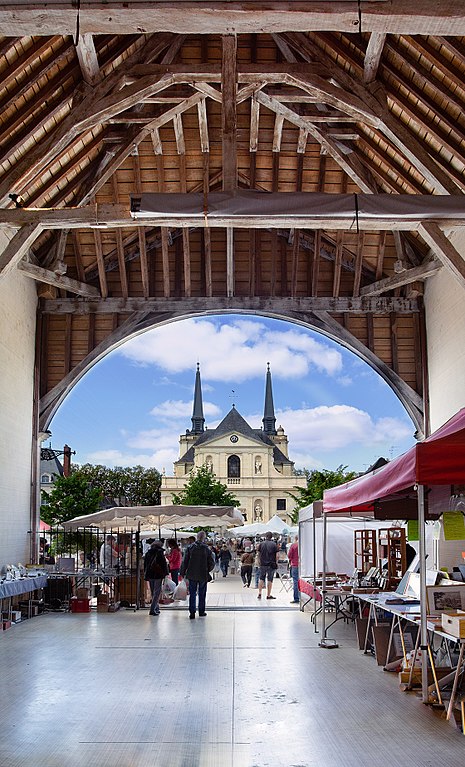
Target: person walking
point(293, 557)
point(155, 569)
point(268, 565)
point(246, 566)
point(196, 566)
point(256, 566)
point(174, 558)
point(225, 558)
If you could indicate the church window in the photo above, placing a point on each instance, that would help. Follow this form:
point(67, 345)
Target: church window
point(280, 504)
point(234, 466)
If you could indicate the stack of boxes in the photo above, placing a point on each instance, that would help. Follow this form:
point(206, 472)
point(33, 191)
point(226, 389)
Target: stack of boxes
point(103, 603)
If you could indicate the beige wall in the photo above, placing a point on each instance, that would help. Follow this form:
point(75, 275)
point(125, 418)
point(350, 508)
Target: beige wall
point(445, 330)
point(18, 301)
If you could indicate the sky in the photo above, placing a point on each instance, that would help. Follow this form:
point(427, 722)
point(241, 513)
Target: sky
point(131, 407)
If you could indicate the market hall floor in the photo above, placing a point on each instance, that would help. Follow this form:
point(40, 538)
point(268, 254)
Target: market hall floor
point(239, 688)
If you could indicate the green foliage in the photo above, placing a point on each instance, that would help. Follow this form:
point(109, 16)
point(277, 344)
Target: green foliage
point(125, 486)
point(71, 497)
point(317, 482)
point(203, 489)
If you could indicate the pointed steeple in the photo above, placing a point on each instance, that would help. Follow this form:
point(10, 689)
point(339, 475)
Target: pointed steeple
point(269, 420)
point(198, 421)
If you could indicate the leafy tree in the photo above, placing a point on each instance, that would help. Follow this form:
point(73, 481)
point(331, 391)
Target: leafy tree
point(71, 496)
point(203, 489)
point(125, 486)
point(317, 481)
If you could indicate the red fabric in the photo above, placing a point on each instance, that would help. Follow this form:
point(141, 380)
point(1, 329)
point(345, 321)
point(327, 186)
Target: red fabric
point(438, 460)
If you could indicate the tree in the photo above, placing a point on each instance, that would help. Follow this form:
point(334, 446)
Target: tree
point(125, 486)
point(203, 489)
point(317, 482)
point(71, 496)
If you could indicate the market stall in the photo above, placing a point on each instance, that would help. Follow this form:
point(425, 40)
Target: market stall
point(395, 489)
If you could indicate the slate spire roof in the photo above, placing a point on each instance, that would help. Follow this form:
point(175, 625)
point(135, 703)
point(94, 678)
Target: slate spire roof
point(198, 420)
point(269, 420)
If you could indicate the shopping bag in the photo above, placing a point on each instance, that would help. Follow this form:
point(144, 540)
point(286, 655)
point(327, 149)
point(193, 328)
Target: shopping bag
point(180, 592)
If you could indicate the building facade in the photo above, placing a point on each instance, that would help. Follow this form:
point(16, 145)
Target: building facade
point(253, 463)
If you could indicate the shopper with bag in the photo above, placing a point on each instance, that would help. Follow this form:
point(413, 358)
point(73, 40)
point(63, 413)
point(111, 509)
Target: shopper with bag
point(155, 570)
point(174, 559)
point(196, 566)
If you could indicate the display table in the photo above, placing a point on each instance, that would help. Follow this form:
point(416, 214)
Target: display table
point(22, 586)
point(409, 613)
point(18, 586)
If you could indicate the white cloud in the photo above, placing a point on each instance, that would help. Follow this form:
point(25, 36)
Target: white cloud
point(179, 409)
point(233, 351)
point(323, 429)
point(159, 459)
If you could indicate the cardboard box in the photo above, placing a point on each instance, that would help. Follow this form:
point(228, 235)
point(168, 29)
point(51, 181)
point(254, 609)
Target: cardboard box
point(454, 623)
point(6, 625)
point(79, 605)
point(82, 593)
point(102, 608)
point(103, 599)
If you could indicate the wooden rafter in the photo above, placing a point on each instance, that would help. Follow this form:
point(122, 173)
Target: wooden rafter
point(396, 17)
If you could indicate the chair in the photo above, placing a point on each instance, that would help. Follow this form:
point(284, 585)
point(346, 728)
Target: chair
point(284, 576)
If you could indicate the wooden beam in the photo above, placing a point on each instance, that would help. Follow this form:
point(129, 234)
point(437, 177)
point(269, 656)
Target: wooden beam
point(58, 280)
point(373, 56)
point(100, 263)
point(432, 266)
point(119, 244)
point(88, 61)
point(229, 112)
point(18, 247)
point(276, 306)
point(338, 264)
point(350, 163)
point(203, 125)
point(437, 17)
point(229, 262)
point(444, 250)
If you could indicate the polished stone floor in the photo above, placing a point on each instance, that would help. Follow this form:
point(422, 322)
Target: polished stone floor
point(239, 688)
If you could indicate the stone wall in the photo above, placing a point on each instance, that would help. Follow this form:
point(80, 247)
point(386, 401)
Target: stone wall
point(445, 330)
point(18, 300)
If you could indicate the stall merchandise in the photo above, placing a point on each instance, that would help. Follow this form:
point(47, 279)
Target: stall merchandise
point(437, 460)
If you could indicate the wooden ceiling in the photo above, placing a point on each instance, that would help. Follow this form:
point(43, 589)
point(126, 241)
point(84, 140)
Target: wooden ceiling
point(103, 100)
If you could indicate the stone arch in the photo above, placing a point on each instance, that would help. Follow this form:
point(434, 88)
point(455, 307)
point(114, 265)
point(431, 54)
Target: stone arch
point(288, 310)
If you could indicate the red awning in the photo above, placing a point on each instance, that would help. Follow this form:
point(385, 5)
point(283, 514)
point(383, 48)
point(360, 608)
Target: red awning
point(438, 460)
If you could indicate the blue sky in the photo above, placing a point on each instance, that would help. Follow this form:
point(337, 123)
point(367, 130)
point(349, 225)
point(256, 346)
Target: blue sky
point(132, 406)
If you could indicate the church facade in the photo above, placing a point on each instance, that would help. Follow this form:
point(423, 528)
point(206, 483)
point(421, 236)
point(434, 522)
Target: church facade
point(253, 463)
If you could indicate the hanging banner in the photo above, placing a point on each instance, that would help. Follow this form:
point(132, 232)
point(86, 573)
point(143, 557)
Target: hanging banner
point(454, 526)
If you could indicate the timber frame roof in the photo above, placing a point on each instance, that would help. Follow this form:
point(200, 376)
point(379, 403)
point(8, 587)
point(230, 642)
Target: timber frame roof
point(101, 100)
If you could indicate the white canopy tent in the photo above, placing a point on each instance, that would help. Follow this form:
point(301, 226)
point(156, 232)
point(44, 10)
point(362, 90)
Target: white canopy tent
point(154, 517)
point(274, 525)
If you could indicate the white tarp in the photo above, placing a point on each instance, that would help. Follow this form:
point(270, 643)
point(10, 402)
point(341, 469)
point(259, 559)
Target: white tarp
point(340, 556)
point(248, 203)
point(152, 517)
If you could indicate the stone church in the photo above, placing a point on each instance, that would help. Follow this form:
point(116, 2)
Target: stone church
point(253, 463)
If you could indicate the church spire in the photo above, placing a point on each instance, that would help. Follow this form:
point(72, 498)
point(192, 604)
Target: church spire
point(198, 421)
point(269, 420)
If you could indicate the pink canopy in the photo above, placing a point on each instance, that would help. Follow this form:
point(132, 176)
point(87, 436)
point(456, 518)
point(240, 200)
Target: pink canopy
point(438, 460)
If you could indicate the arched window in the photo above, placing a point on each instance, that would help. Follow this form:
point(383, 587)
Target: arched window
point(234, 466)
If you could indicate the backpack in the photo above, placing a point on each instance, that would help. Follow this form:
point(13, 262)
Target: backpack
point(157, 567)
